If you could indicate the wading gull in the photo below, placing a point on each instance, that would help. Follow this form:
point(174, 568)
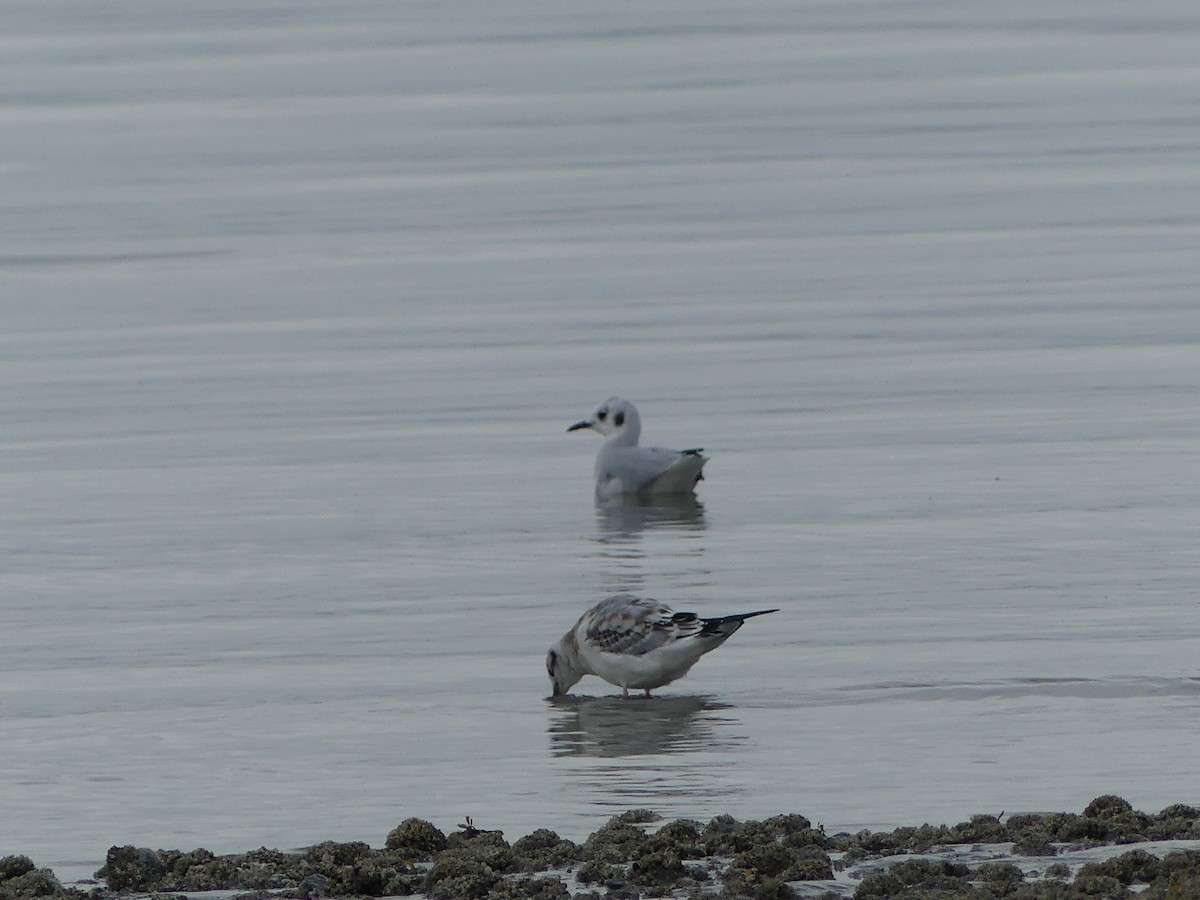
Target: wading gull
point(622, 467)
point(637, 643)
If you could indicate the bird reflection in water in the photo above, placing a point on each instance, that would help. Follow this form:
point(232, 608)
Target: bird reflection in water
point(615, 726)
point(628, 517)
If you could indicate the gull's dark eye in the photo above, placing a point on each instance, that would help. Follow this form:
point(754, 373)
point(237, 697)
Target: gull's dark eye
point(602, 414)
point(619, 419)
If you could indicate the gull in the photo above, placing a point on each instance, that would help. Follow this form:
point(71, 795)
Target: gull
point(636, 642)
point(622, 467)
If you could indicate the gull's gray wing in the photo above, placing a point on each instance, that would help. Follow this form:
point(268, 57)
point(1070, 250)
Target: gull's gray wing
point(636, 466)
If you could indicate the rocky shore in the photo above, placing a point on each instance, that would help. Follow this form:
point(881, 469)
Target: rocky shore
point(1110, 850)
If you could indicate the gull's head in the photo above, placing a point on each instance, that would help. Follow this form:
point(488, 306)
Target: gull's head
point(614, 416)
point(560, 666)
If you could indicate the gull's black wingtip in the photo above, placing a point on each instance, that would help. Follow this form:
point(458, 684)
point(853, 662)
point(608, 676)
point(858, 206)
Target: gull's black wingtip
point(713, 626)
point(761, 612)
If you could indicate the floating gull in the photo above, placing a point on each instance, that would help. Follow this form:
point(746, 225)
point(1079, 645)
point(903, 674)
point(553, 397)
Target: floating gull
point(622, 467)
point(636, 643)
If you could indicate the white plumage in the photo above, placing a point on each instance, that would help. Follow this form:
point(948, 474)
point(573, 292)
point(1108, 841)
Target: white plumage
point(636, 642)
point(622, 467)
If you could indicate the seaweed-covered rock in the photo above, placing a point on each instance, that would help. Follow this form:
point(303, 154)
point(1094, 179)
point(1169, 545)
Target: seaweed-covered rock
point(199, 870)
point(1177, 822)
point(659, 867)
point(1092, 884)
point(15, 866)
point(1178, 878)
point(1001, 877)
point(981, 829)
point(596, 871)
point(1111, 818)
point(620, 890)
point(330, 855)
point(354, 869)
point(1032, 840)
point(477, 839)
point(726, 836)
point(1058, 871)
point(795, 831)
point(1134, 867)
point(618, 840)
point(21, 879)
point(1107, 806)
point(747, 886)
point(460, 875)
point(530, 889)
point(639, 817)
point(812, 864)
point(683, 836)
point(416, 838)
point(131, 868)
point(784, 847)
point(765, 859)
point(915, 878)
point(544, 849)
point(471, 866)
point(867, 844)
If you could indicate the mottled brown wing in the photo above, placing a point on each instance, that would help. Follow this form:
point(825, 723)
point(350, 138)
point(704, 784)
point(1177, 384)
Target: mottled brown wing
point(635, 626)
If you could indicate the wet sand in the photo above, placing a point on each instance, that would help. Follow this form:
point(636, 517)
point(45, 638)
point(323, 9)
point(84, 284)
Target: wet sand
point(1108, 850)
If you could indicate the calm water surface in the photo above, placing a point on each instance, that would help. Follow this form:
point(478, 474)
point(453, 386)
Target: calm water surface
point(299, 300)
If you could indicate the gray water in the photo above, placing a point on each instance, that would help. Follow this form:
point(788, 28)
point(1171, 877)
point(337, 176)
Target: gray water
point(299, 299)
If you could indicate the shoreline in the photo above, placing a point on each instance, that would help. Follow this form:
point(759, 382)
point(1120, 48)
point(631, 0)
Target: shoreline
point(1109, 849)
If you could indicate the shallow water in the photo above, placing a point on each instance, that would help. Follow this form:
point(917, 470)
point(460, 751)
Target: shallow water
point(300, 300)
